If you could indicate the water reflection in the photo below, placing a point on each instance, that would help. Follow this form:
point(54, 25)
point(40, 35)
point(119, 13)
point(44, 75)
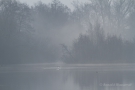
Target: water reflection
point(61, 79)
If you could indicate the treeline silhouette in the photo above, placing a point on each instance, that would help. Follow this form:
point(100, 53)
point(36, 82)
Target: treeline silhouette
point(95, 32)
point(100, 49)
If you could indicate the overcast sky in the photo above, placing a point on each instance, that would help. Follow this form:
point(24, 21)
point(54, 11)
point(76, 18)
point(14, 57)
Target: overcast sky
point(66, 2)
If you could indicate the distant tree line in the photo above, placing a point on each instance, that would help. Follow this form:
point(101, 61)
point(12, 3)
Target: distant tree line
point(100, 49)
point(33, 34)
point(109, 37)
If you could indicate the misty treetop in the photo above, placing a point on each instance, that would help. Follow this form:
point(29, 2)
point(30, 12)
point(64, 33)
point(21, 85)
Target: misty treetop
point(99, 31)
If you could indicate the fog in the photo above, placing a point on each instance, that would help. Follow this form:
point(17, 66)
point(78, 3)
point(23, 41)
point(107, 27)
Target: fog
point(52, 46)
point(62, 76)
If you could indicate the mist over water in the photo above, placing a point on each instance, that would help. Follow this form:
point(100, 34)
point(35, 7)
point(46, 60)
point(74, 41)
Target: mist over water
point(65, 80)
point(67, 76)
point(51, 47)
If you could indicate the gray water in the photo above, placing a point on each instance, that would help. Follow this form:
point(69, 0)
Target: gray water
point(67, 77)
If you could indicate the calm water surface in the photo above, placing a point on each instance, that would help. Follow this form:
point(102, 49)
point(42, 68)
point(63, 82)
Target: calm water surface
point(58, 78)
